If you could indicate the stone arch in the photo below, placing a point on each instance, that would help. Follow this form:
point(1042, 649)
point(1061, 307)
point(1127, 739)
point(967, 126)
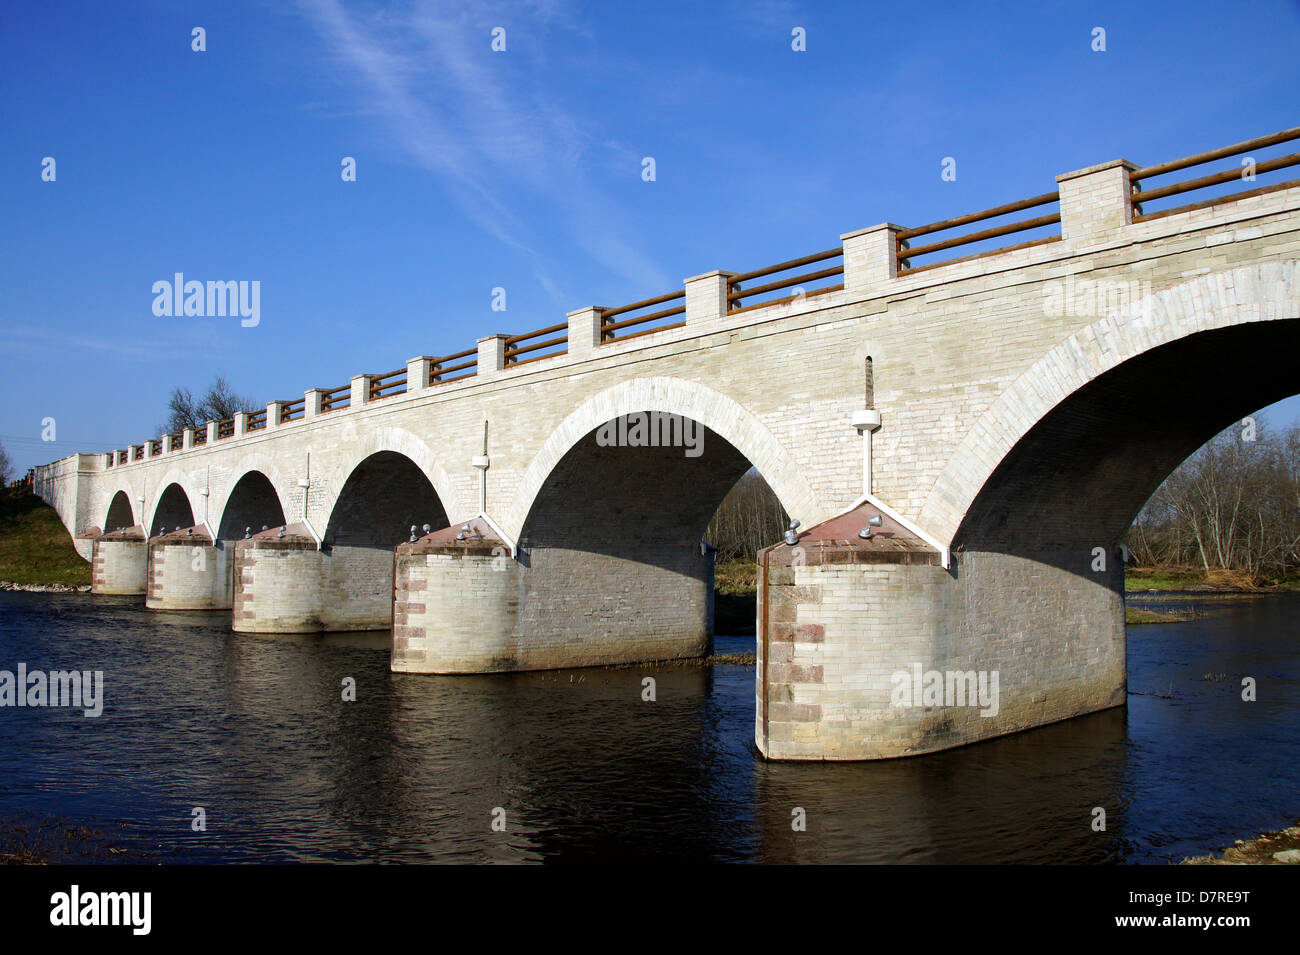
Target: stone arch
point(249, 463)
point(172, 509)
point(383, 497)
point(715, 411)
point(174, 476)
point(1201, 313)
point(365, 445)
point(252, 501)
point(120, 512)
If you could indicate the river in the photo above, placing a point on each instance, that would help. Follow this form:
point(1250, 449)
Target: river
point(254, 731)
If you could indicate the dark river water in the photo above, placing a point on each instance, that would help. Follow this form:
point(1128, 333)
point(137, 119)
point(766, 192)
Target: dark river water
point(254, 731)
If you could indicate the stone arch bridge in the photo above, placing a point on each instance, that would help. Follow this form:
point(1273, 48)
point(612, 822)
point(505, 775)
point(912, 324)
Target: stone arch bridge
point(964, 441)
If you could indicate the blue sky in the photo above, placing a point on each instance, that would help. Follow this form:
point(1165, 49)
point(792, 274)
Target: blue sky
point(522, 169)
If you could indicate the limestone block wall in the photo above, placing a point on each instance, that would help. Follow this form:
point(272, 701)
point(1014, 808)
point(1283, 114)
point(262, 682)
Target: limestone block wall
point(837, 633)
point(470, 607)
point(455, 609)
point(356, 588)
point(277, 584)
point(584, 608)
point(119, 563)
point(190, 574)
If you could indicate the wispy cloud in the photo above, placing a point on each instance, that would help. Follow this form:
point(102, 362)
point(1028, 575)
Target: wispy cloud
point(488, 131)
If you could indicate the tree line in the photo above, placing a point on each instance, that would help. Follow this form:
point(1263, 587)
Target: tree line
point(1233, 505)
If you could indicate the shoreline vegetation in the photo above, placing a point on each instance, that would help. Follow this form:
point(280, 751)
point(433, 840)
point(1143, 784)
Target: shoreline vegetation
point(1281, 847)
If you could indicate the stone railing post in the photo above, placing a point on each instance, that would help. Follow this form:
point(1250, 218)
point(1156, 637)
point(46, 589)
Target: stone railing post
point(311, 405)
point(212, 432)
point(870, 257)
point(417, 372)
point(360, 390)
point(706, 296)
point(241, 423)
point(1096, 199)
point(491, 355)
point(584, 330)
point(187, 438)
point(148, 449)
point(168, 445)
point(273, 411)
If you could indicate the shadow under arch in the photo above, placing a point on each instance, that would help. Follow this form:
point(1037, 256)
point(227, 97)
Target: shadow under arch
point(251, 505)
point(120, 513)
point(385, 495)
point(613, 568)
point(1079, 477)
point(387, 440)
point(172, 510)
point(1118, 382)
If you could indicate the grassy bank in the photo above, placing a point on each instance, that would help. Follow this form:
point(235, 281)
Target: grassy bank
point(1197, 580)
point(34, 545)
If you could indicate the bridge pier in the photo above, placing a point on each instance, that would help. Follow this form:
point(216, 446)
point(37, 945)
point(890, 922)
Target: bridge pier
point(870, 649)
point(468, 606)
point(288, 584)
point(119, 561)
point(277, 582)
point(188, 570)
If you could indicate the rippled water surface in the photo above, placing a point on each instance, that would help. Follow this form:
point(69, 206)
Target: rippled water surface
point(254, 730)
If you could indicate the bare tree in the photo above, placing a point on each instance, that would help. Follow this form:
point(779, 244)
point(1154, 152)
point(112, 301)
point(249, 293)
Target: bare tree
point(218, 403)
point(1233, 505)
point(749, 519)
point(6, 466)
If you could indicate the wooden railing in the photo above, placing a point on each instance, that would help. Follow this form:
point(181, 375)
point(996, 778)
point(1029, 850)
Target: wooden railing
point(446, 368)
point(550, 346)
point(811, 283)
point(615, 322)
point(340, 397)
point(388, 384)
point(155, 446)
point(293, 410)
point(907, 253)
point(650, 315)
point(1143, 196)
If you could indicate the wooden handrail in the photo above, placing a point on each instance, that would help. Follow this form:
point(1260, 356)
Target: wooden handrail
point(514, 349)
point(293, 410)
point(608, 329)
point(1236, 149)
point(657, 300)
point(388, 384)
point(332, 398)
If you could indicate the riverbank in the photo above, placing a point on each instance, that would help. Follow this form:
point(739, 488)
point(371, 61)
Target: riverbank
point(1270, 848)
point(36, 551)
point(1195, 580)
